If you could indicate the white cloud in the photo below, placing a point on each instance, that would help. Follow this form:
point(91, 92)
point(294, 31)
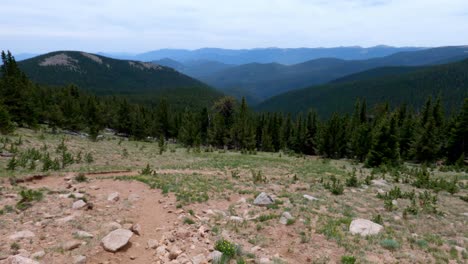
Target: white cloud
point(136, 26)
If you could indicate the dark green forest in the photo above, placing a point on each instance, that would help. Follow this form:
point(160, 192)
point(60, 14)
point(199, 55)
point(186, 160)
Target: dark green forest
point(383, 134)
point(449, 81)
point(137, 81)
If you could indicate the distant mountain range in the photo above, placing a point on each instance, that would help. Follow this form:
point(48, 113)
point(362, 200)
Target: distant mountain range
point(139, 81)
point(394, 85)
point(263, 81)
point(271, 55)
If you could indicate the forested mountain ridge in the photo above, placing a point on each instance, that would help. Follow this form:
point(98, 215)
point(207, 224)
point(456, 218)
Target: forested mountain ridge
point(105, 76)
point(379, 136)
point(450, 81)
point(267, 80)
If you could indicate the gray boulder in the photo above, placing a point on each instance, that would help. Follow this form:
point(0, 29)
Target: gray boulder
point(116, 239)
point(263, 199)
point(364, 227)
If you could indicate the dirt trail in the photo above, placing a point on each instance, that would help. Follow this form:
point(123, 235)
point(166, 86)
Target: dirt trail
point(138, 204)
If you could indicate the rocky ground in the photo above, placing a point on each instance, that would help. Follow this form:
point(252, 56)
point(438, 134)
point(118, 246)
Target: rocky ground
point(190, 207)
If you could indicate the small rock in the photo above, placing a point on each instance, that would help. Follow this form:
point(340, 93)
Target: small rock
point(113, 197)
point(263, 199)
point(264, 261)
point(242, 200)
point(72, 244)
point(78, 204)
point(395, 202)
point(116, 239)
point(215, 256)
point(174, 252)
point(161, 251)
point(364, 227)
point(380, 183)
point(236, 219)
point(199, 259)
point(113, 226)
point(83, 234)
point(285, 217)
point(310, 197)
point(136, 228)
point(17, 259)
point(22, 234)
point(38, 254)
point(65, 219)
point(80, 259)
point(202, 231)
point(152, 244)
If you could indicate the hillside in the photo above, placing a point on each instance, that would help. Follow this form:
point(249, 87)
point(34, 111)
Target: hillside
point(449, 80)
point(378, 72)
point(266, 80)
point(269, 55)
point(194, 68)
point(106, 76)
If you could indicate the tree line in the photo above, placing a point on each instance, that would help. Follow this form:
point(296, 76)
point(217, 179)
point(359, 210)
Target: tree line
point(375, 136)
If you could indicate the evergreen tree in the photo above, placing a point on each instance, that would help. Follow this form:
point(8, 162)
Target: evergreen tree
point(190, 130)
point(6, 126)
point(384, 148)
point(332, 143)
point(457, 145)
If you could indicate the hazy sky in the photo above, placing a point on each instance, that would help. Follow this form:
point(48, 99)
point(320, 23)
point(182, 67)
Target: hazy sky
point(142, 25)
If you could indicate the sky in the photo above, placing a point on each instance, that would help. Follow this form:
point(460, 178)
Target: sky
point(32, 26)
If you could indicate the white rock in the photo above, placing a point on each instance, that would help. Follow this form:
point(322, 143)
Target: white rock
point(199, 259)
point(285, 217)
point(215, 256)
point(72, 244)
point(113, 197)
point(17, 259)
point(264, 261)
point(83, 234)
point(161, 251)
point(78, 204)
point(310, 197)
point(65, 219)
point(79, 259)
point(380, 182)
point(38, 254)
point(263, 199)
point(116, 239)
point(236, 219)
point(364, 227)
point(78, 195)
point(242, 200)
point(136, 228)
point(22, 234)
point(152, 243)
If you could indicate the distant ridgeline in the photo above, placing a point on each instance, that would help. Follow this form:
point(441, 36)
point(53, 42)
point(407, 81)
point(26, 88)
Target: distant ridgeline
point(137, 81)
point(376, 136)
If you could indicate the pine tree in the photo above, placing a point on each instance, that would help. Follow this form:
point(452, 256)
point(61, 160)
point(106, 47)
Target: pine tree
point(457, 145)
point(6, 126)
point(310, 145)
point(189, 133)
point(384, 148)
point(332, 138)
